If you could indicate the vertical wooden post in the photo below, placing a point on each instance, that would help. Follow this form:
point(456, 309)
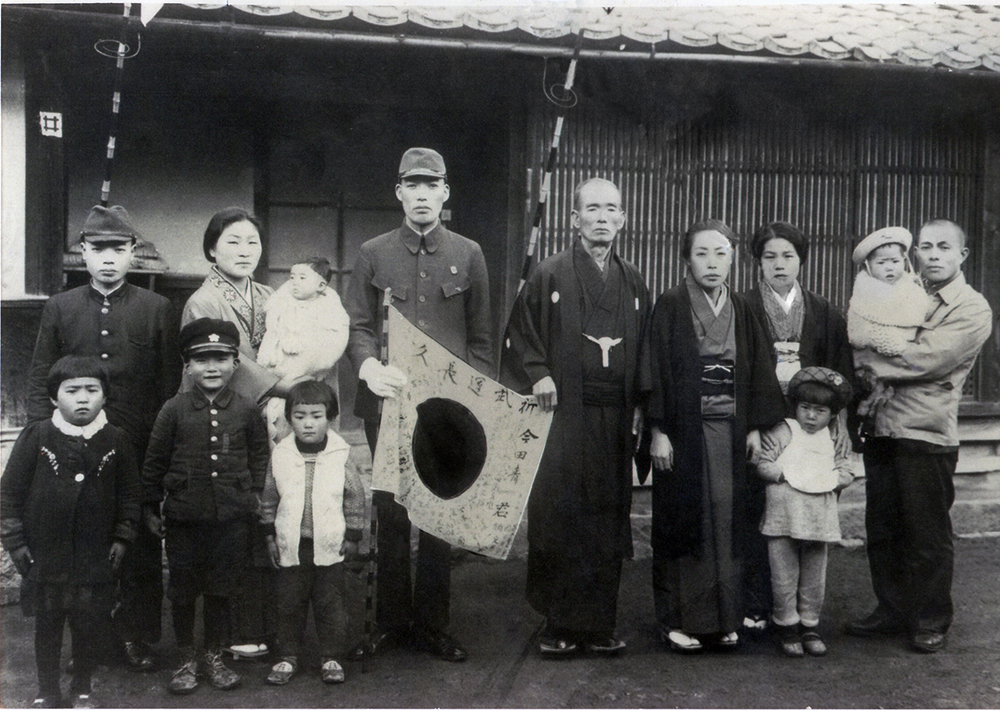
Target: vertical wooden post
point(45, 176)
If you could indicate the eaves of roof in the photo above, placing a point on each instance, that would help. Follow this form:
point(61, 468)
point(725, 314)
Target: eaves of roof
point(950, 38)
point(962, 37)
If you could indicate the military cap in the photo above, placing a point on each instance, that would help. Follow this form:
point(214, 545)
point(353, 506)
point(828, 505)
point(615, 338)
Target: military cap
point(878, 238)
point(422, 161)
point(108, 224)
point(209, 334)
point(828, 378)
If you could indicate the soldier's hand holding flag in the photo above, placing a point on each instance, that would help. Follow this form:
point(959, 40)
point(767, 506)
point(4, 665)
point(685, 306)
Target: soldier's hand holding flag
point(383, 380)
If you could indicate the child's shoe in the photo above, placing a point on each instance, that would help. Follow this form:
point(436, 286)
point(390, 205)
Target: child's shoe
point(54, 701)
point(83, 701)
point(185, 678)
point(220, 676)
point(283, 671)
point(79, 690)
point(332, 672)
point(789, 641)
point(812, 643)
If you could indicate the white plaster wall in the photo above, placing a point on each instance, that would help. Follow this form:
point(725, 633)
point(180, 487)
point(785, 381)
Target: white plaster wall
point(12, 179)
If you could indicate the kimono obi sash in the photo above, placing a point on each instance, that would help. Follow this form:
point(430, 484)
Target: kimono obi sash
point(716, 334)
point(718, 387)
point(603, 394)
point(787, 354)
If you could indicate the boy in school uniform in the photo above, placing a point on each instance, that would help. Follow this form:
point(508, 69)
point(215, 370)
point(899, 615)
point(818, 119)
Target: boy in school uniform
point(313, 512)
point(128, 329)
point(69, 506)
point(206, 462)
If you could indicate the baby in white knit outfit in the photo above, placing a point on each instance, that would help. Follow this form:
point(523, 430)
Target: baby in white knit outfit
point(888, 303)
point(307, 330)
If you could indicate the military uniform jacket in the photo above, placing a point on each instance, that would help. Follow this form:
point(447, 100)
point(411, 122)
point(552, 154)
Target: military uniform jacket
point(68, 498)
point(208, 459)
point(130, 332)
point(439, 283)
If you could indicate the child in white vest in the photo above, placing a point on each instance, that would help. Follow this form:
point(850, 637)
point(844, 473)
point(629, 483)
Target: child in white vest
point(805, 474)
point(313, 511)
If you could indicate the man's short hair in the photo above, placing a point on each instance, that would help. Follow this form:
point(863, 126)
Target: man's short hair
point(74, 366)
point(312, 392)
point(580, 186)
point(710, 225)
point(944, 221)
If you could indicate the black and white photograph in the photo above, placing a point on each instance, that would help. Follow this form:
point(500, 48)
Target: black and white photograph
point(527, 355)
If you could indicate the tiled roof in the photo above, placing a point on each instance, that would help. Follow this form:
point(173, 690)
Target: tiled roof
point(956, 36)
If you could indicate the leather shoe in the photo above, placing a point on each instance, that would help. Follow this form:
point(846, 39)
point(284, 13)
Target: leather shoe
point(879, 622)
point(440, 644)
point(789, 640)
point(220, 676)
point(812, 643)
point(928, 642)
point(379, 643)
point(185, 678)
point(138, 658)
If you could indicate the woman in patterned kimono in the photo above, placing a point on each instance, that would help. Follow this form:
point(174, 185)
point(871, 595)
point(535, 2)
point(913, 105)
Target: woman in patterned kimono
point(805, 330)
point(233, 245)
point(713, 387)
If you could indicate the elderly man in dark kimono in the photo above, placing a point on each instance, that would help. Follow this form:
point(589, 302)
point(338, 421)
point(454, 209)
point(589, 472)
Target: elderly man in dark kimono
point(713, 386)
point(573, 340)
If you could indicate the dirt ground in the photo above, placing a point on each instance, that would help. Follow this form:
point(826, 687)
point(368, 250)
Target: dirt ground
point(498, 628)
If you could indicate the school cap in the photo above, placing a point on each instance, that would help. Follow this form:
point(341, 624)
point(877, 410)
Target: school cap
point(209, 334)
point(879, 238)
point(827, 378)
point(422, 161)
point(108, 224)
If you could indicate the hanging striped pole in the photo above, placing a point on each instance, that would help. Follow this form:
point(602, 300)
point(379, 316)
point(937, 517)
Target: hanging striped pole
point(550, 165)
point(115, 105)
point(370, 591)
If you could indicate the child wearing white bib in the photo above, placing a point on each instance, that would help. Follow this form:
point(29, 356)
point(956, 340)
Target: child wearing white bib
point(805, 474)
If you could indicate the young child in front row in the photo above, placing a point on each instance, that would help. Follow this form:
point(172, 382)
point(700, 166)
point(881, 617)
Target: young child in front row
point(313, 510)
point(805, 472)
point(887, 304)
point(208, 456)
point(69, 505)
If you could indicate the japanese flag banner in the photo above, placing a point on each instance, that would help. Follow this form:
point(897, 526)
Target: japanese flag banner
point(456, 448)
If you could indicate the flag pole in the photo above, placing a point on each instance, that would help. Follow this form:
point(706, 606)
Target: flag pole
point(370, 591)
point(116, 99)
point(550, 164)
